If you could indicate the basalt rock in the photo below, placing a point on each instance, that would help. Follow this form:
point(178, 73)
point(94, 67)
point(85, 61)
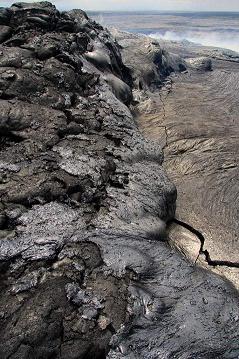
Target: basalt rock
point(148, 62)
point(201, 63)
point(86, 270)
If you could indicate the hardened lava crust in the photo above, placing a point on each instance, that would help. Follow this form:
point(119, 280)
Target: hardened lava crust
point(86, 267)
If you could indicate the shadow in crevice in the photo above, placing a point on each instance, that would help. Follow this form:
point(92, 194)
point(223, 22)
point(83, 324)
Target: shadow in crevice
point(200, 236)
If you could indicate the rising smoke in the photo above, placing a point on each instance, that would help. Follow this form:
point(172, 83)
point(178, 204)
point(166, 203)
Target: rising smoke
point(224, 39)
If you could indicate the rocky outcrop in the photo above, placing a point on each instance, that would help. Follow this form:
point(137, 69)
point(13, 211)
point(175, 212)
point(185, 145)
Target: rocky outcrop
point(198, 126)
point(86, 270)
point(148, 63)
point(201, 63)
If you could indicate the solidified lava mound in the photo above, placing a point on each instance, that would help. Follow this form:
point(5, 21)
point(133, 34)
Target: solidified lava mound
point(86, 270)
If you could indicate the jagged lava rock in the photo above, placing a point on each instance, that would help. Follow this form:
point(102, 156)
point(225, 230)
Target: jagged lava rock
point(84, 206)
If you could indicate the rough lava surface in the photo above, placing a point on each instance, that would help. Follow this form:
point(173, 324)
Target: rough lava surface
point(86, 268)
point(197, 125)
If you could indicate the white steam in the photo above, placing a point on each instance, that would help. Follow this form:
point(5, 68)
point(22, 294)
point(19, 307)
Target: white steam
point(223, 39)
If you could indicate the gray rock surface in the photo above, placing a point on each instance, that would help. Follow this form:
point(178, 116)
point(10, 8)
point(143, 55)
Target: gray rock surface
point(86, 269)
point(201, 63)
point(147, 61)
point(197, 124)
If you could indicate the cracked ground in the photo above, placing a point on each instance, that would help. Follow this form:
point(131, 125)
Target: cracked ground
point(200, 114)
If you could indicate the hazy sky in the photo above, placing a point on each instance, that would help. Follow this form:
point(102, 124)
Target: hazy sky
point(197, 5)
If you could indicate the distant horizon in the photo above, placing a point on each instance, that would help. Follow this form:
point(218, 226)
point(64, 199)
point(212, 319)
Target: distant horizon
point(135, 10)
point(164, 11)
point(230, 6)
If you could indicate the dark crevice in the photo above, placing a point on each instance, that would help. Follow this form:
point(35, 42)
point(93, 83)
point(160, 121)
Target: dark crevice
point(5, 96)
point(119, 182)
point(200, 236)
point(6, 223)
point(7, 140)
point(215, 263)
point(164, 113)
point(96, 353)
point(111, 137)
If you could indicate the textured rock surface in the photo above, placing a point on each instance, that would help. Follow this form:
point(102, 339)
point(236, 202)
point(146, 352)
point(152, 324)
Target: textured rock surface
point(198, 127)
point(86, 270)
point(148, 63)
point(201, 63)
